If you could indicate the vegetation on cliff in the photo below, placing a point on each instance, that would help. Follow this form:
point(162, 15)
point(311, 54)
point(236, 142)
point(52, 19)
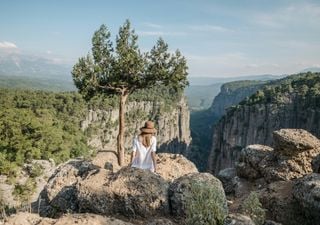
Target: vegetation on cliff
point(44, 125)
point(304, 86)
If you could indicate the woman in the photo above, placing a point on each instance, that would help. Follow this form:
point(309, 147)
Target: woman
point(144, 148)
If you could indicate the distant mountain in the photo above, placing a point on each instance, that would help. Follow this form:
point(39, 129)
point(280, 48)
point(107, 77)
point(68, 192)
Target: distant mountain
point(198, 81)
point(311, 69)
point(15, 64)
point(31, 72)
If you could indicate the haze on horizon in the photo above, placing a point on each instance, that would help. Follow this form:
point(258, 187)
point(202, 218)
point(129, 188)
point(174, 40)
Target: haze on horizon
point(219, 38)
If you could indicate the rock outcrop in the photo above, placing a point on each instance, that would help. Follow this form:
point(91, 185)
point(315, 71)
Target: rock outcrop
point(83, 186)
point(60, 194)
point(172, 123)
point(282, 176)
point(294, 150)
point(131, 192)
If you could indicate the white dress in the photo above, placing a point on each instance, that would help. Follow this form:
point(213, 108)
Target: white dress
point(143, 159)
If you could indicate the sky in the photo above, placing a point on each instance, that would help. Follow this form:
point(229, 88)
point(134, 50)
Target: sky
point(218, 38)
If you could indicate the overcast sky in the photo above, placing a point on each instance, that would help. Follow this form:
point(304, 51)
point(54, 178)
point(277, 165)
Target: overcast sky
point(218, 38)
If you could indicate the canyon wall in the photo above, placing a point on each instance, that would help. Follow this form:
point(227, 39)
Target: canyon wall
point(171, 121)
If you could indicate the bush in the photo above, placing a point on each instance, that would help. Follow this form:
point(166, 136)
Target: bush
point(205, 205)
point(36, 170)
point(252, 207)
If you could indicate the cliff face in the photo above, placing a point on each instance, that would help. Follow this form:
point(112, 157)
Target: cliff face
point(232, 93)
point(172, 124)
point(253, 122)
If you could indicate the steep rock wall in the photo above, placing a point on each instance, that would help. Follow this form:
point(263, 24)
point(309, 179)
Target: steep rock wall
point(232, 93)
point(254, 124)
point(172, 124)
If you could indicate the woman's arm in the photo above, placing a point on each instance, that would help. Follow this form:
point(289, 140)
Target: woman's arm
point(153, 156)
point(133, 155)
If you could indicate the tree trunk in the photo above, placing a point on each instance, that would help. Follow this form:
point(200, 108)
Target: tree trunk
point(120, 139)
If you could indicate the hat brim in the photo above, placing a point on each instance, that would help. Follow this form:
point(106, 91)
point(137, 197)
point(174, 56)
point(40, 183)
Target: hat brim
point(148, 130)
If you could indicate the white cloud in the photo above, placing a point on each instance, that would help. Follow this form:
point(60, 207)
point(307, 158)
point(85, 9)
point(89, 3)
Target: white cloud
point(209, 28)
point(160, 33)
point(152, 25)
point(298, 14)
point(7, 45)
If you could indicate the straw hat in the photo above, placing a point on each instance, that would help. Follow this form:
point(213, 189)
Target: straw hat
point(148, 128)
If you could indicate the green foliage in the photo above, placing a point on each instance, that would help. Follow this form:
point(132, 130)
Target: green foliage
point(123, 69)
point(253, 208)
point(39, 125)
point(205, 205)
point(304, 86)
point(35, 170)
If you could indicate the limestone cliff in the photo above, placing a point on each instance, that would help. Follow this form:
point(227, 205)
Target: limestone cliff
point(171, 121)
point(232, 93)
point(289, 103)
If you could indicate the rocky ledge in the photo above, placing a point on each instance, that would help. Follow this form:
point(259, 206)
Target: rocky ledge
point(285, 177)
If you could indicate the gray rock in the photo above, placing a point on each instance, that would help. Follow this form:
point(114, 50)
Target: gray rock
point(281, 206)
point(306, 191)
point(238, 219)
point(60, 194)
point(316, 164)
point(250, 163)
point(229, 180)
point(130, 192)
point(291, 141)
point(180, 190)
point(290, 160)
point(270, 222)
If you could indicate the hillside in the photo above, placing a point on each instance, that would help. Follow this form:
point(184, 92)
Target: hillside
point(292, 102)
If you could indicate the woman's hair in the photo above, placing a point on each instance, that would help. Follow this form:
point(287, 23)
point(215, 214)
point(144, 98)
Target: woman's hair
point(145, 139)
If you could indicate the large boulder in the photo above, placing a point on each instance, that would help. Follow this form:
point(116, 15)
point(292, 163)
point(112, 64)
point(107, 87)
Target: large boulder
point(292, 141)
point(60, 194)
point(180, 191)
point(307, 193)
point(172, 166)
point(291, 158)
point(131, 192)
point(79, 219)
point(250, 162)
point(277, 198)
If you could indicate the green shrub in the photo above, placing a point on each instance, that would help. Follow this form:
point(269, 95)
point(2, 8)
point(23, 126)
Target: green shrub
point(252, 207)
point(36, 170)
point(205, 205)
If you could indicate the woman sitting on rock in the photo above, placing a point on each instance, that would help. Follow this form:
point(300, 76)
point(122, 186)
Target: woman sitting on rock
point(144, 148)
